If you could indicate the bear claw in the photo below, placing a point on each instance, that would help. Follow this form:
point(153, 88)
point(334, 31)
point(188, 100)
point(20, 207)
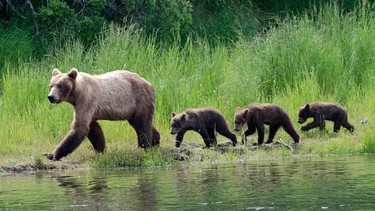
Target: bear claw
point(49, 156)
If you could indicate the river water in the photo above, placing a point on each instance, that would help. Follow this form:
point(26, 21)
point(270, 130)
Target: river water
point(310, 183)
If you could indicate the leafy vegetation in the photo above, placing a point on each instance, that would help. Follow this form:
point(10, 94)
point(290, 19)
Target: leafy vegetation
point(324, 55)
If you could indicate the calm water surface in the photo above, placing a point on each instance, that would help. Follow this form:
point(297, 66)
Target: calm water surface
point(328, 183)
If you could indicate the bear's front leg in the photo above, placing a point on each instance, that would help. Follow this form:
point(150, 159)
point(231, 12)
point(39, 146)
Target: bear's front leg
point(212, 136)
point(336, 125)
point(79, 130)
point(260, 138)
point(244, 139)
point(179, 138)
point(250, 130)
point(310, 126)
point(317, 122)
point(260, 129)
point(305, 128)
point(71, 141)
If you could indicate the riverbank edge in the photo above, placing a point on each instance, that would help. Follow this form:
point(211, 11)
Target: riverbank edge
point(187, 155)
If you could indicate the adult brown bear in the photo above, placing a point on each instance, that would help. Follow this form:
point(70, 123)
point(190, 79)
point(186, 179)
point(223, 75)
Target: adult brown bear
point(117, 95)
point(321, 111)
point(205, 121)
point(257, 115)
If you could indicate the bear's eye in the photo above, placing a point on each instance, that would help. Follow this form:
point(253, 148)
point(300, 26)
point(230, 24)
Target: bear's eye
point(175, 125)
point(240, 121)
point(59, 86)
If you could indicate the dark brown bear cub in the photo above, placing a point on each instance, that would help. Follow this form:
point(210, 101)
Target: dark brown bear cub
point(321, 111)
point(256, 115)
point(205, 121)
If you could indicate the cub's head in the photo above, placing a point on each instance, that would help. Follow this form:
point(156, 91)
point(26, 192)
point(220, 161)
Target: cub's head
point(304, 113)
point(240, 118)
point(178, 123)
point(61, 85)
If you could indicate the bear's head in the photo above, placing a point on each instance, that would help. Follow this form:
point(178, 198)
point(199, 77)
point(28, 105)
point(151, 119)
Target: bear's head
point(304, 113)
point(178, 123)
point(61, 85)
point(240, 118)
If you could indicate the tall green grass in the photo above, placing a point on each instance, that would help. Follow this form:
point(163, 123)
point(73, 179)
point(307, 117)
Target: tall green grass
point(14, 50)
point(324, 55)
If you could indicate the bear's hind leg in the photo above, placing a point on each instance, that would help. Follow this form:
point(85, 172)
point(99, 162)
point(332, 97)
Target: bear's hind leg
point(155, 136)
point(96, 137)
point(224, 131)
point(272, 133)
point(144, 132)
point(291, 131)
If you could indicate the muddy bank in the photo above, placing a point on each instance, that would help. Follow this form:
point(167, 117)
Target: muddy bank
point(36, 167)
point(189, 152)
point(186, 153)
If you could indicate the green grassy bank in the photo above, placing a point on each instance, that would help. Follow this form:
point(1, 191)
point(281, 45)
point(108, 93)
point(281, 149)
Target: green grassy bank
point(322, 55)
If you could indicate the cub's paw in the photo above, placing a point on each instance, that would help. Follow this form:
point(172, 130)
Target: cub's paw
point(304, 129)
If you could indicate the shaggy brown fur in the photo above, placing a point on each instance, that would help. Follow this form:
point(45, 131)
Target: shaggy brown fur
point(205, 121)
point(321, 111)
point(256, 115)
point(117, 95)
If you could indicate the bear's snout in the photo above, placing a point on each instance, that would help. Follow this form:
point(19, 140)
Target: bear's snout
point(51, 99)
point(237, 128)
point(301, 120)
point(174, 130)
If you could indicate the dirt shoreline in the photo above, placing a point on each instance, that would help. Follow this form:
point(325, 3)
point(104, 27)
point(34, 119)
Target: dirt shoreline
point(184, 154)
point(34, 167)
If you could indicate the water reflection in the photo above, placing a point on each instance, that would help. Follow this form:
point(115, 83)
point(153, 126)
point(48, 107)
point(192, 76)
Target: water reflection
point(84, 193)
point(95, 193)
point(145, 193)
point(345, 183)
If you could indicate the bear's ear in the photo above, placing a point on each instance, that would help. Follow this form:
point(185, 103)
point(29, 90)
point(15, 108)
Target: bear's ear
point(183, 117)
point(245, 112)
point(73, 73)
point(307, 106)
point(55, 72)
point(173, 114)
point(238, 108)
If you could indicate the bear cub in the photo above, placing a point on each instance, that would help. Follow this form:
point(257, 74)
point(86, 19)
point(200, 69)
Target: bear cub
point(321, 111)
point(205, 121)
point(257, 115)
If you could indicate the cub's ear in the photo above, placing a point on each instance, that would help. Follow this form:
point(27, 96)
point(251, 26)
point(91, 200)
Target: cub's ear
point(55, 72)
point(173, 114)
point(183, 117)
point(246, 112)
point(73, 73)
point(238, 108)
point(307, 106)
